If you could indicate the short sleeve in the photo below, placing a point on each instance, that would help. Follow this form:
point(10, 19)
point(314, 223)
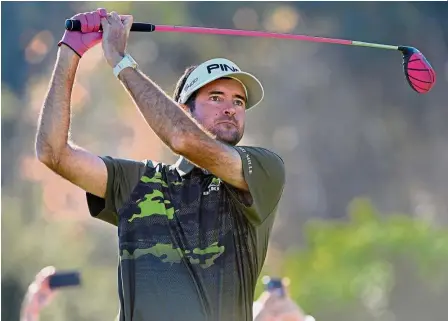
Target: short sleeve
point(264, 172)
point(122, 177)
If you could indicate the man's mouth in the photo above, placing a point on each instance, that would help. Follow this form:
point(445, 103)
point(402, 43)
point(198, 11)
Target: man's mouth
point(227, 122)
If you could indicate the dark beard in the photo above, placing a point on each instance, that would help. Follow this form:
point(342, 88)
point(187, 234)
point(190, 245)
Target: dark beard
point(232, 139)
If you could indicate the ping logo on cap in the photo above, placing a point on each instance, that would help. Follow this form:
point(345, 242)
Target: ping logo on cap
point(222, 67)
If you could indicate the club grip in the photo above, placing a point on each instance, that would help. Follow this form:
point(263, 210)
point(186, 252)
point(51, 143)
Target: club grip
point(75, 25)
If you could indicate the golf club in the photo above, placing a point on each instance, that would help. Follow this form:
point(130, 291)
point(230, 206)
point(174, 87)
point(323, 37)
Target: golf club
point(418, 71)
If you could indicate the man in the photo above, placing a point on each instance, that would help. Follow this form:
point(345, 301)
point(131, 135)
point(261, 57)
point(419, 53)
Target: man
point(192, 236)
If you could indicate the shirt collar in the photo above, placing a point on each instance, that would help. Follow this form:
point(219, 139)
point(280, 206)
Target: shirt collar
point(184, 166)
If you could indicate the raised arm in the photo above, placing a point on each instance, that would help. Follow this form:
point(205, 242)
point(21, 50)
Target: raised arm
point(52, 141)
point(175, 127)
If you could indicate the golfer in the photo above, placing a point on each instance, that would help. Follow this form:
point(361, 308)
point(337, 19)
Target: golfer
point(193, 235)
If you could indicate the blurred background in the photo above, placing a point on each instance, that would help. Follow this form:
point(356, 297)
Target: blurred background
point(362, 227)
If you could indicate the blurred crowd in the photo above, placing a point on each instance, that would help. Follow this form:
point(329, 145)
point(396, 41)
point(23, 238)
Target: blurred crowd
point(274, 303)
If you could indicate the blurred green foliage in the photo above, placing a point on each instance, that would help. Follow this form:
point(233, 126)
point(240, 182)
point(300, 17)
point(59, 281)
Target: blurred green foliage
point(345, 262)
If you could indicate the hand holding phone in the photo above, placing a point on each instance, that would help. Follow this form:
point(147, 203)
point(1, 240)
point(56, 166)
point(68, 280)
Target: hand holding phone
point(43, 289)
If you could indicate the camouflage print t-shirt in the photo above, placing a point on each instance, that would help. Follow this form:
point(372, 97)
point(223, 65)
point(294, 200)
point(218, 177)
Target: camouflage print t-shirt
point(191, 246)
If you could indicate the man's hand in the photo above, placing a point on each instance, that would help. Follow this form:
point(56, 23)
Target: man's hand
point(115, 36)
point(280, 309)
point(89, 36)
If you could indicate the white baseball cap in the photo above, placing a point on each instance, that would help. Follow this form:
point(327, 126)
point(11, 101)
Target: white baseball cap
point(218, 68)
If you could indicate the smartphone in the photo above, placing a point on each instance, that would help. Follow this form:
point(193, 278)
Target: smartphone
point(64, 279)
point(274, 286)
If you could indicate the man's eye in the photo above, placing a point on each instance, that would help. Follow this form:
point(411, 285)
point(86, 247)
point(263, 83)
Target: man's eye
point(239, 102)
point(214, 98)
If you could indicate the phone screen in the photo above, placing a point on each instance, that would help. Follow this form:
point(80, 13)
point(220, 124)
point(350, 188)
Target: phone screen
point(64, 279)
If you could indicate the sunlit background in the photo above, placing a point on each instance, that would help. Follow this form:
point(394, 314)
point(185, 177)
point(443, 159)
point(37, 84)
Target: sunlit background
point(361, 230)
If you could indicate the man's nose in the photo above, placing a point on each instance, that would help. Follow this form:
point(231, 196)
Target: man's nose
point(230, 110)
